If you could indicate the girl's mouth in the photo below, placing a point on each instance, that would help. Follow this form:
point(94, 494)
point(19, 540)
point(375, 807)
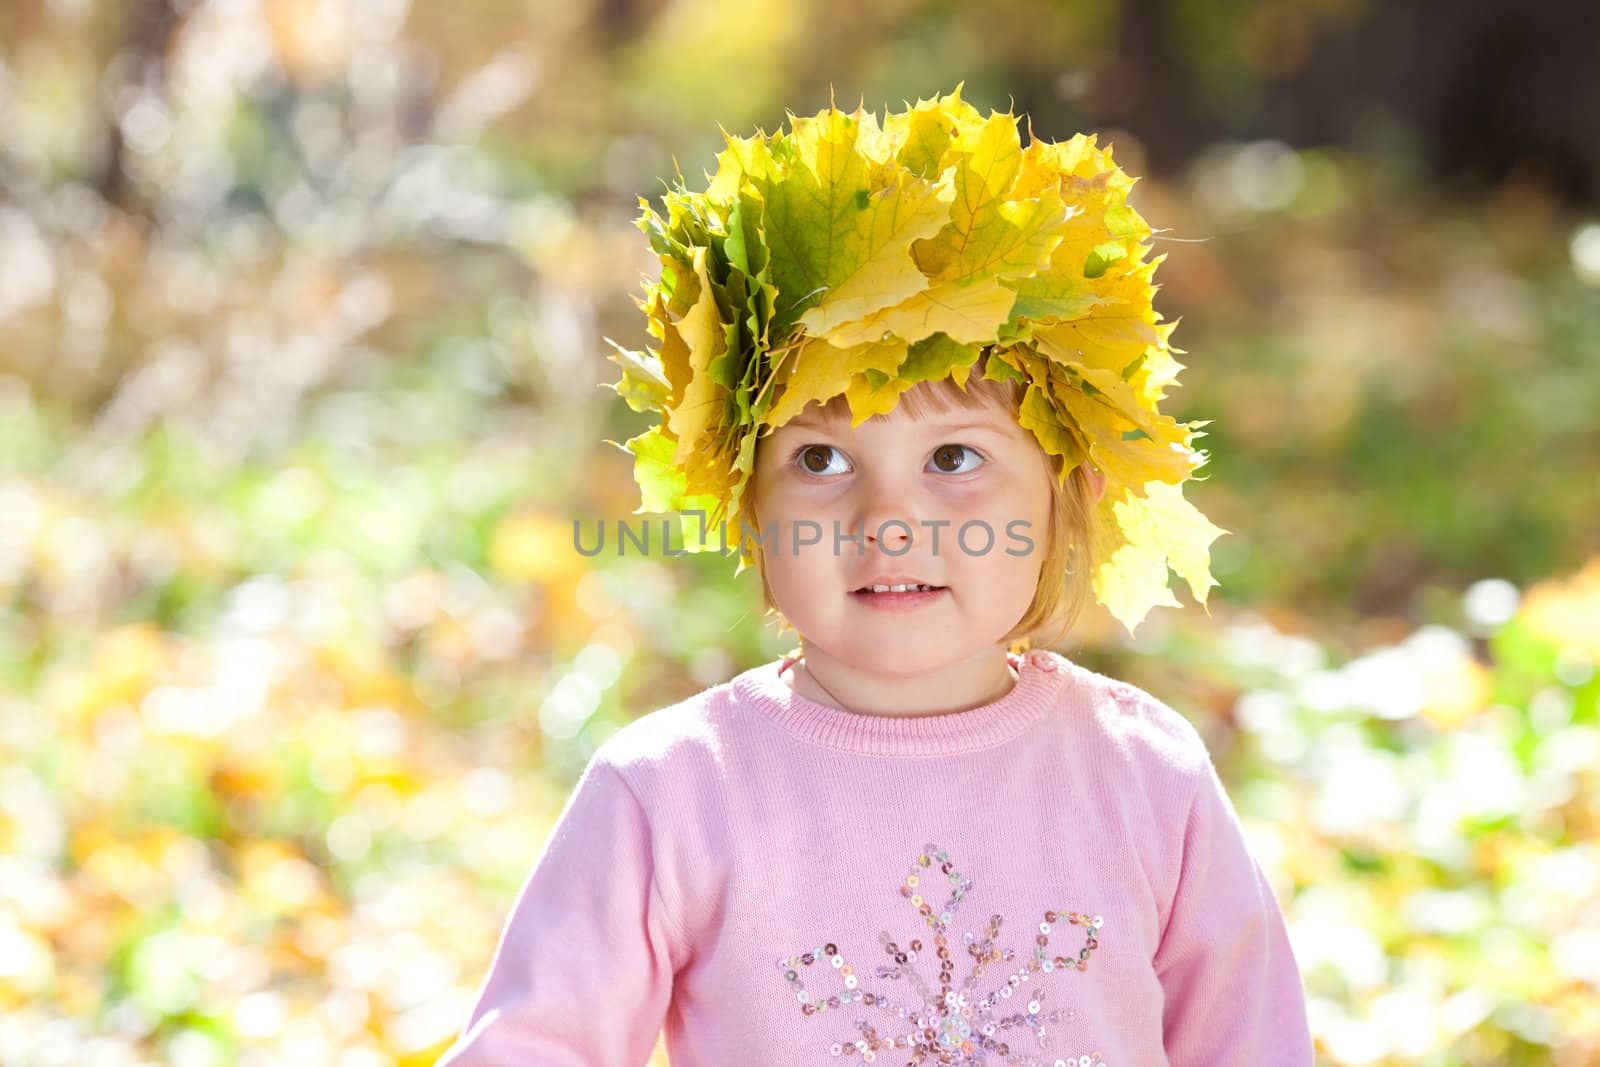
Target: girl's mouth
point(898, 596)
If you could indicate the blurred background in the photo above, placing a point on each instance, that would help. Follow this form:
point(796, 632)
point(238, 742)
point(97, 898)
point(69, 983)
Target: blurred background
point(302, 386)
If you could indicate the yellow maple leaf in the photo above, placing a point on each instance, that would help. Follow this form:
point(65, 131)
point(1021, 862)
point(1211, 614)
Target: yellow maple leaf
point(990, 237)
point(919, 137)
point(992, 231)
point(702, 331)
point(674, 353)
point(843, 225)
point(821, 372)
point(1137, 538)
point(969, 312)
point(1038, 415)
point(867, 399)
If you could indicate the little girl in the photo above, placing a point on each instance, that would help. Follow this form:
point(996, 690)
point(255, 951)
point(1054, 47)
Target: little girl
point(919, 365)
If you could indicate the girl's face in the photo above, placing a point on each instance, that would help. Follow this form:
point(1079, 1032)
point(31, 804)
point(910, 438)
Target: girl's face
point(965, 495)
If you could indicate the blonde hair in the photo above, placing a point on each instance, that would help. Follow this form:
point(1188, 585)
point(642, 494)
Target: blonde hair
point(1064, 585)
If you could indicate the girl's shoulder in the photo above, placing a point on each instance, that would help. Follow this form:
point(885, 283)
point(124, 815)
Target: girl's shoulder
point(688, 731)
point(1132, 721)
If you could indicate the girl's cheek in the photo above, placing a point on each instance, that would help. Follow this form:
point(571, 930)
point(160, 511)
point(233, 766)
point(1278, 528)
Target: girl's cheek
point(816, 493)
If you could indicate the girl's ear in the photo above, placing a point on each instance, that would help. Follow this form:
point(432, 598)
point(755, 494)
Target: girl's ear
point(1097, 479)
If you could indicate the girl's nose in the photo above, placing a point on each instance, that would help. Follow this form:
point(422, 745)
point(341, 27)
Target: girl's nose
point(896, 533)
point(890, 511)
point(889, 522)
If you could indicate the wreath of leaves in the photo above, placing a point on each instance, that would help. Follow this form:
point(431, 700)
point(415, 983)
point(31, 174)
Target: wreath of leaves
point(853, 257)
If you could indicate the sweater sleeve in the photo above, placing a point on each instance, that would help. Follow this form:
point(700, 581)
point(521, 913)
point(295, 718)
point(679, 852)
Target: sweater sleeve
point(583, 972)
point(1232, 989)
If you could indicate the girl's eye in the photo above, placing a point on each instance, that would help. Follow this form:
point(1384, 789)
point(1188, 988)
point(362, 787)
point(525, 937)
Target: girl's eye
point(814, 459)
point(946, 458)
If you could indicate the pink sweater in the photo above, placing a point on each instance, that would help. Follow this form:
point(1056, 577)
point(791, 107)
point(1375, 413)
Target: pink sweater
point(1053, 878)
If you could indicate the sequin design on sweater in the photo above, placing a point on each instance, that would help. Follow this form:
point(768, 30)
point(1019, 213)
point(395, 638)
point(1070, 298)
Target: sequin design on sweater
point(950, 1024)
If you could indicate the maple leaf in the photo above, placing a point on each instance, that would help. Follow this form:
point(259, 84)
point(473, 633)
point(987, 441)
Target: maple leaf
point(1138, 536)
point(822, 371)
point(990, 237)
point(843, 226)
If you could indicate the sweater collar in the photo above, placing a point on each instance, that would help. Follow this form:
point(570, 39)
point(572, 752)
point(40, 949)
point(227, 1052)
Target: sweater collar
point(1040, 676)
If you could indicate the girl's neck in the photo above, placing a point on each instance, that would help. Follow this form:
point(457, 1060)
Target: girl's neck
point(961, 685)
